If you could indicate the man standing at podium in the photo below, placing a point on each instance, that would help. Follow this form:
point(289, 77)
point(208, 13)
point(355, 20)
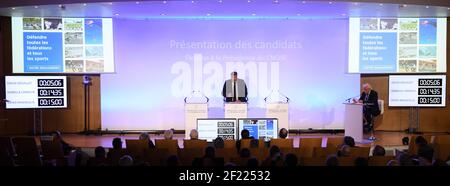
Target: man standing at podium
point(234, 89)
point(371, 108)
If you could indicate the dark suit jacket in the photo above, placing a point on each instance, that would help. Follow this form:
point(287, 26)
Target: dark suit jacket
point(230, 99)
point(372, 102)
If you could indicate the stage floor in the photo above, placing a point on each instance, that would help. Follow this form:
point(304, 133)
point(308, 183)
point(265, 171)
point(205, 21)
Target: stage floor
point(386, 139)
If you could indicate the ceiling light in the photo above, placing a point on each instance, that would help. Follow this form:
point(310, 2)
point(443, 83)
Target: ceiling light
point(164, 2)
point(220, 1)
point(13, 8)
point(137, 2)
point(330, 2)
point(381, 4)
point(116, 14)
point(253, 14)
point(427, 7)
point(84, 4)
point(36, 7)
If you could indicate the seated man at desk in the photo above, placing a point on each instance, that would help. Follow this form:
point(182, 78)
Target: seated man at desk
point(234, 89)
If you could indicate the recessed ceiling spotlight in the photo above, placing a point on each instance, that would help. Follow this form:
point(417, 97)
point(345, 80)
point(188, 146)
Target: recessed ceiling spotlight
point(249, 1)
point(208, 14)
point(427, 7)
point(192, 1)
point(84, 4)
point(343, 14)
point(303, 2)
point(164, 2)
point(116, 14)
point(13, 8)
point(253, 14)
point(330, 2)
point(36, 6)
point(220, 1)
point(137, 2)
point(275, 1)
point(162, 14)
point(110, 3)
point(299, 14)
point(381, 4)
point(356, 3)
point(60, 5)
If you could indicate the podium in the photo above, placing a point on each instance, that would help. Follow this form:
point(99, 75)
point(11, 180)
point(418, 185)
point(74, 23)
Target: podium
point(195, 106)
point(280, 111)
point(236, 110)
point(353, 119)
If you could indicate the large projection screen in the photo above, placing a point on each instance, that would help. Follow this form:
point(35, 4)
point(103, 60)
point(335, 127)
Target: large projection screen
point(397, 45)
point(62, 45)
point(180, 56)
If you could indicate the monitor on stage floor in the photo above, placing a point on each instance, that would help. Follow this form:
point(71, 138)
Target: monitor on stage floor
point(266, 128)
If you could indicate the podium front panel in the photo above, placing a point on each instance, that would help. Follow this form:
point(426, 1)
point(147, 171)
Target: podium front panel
point(353, 121)
point(236, 110)
point(279, 111)
point(193, 111)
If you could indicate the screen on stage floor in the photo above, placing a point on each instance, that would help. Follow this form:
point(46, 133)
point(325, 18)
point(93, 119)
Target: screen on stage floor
point(417, 91)
point(161, 61)
point(397, 45)
point(265, 128)
point(62, 45)
point(210, 129)
point(35, 92)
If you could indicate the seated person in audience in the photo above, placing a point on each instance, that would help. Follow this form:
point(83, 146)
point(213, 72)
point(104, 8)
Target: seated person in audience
point(378, 151)
point(245, 134)
point(404, 159)
point(344, 151)
point(218, 143)
point(349, 141)
point(193, 134)
point(361, 162)
point(210, 159)
point(116, 152)
point(252, 162)
point(78, 158)
point(283, 133)
point(100, 157)
point(332, 161)
point(65, 146)
point(126, 161)
point(244, 153)
point(419, 142)
point(275, 157)
point(168, 134)
point(290, 160)
point(425, 155)
point(145, 136)
point(172, 161)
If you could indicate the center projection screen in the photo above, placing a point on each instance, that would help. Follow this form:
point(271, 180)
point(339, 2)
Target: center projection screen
point(160, 62)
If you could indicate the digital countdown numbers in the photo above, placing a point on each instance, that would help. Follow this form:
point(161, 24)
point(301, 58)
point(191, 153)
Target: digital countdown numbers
point(417, 91)
point(36, 92)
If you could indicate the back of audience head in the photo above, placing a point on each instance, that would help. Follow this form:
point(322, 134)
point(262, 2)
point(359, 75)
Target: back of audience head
point(244, 153)
point(117, 143)
point(193, 134)
point(405, 159)
point(283, 133)
point(144, 136)
point(361, 162)
point(126, 161)
point(420, 140)
point(332, 161)
point(245, 134)
point(219, 143)
point(168, 134)
point(100, 152)
point(348, 140)
point(274, 151)
point(378, 151)
point(290, 160)
point(78, 158)
point(210, 152)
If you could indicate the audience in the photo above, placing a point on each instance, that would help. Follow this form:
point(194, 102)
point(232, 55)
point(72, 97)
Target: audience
point(332, 161)
point(425, 154)
point(126, 161)
point(219, 143)
point(193, 134)
point(172, 161)
point(100, 157)
point(344, 151)
point(245, 134)
point(275, 157)
point(378, 151)
point(252, 162)
point(117, 143)
point(348, 140)
point(283, 133)
point(145, 136)
point(168, 134)
point(57, 137)
point(244, 153)
point(78, 158)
